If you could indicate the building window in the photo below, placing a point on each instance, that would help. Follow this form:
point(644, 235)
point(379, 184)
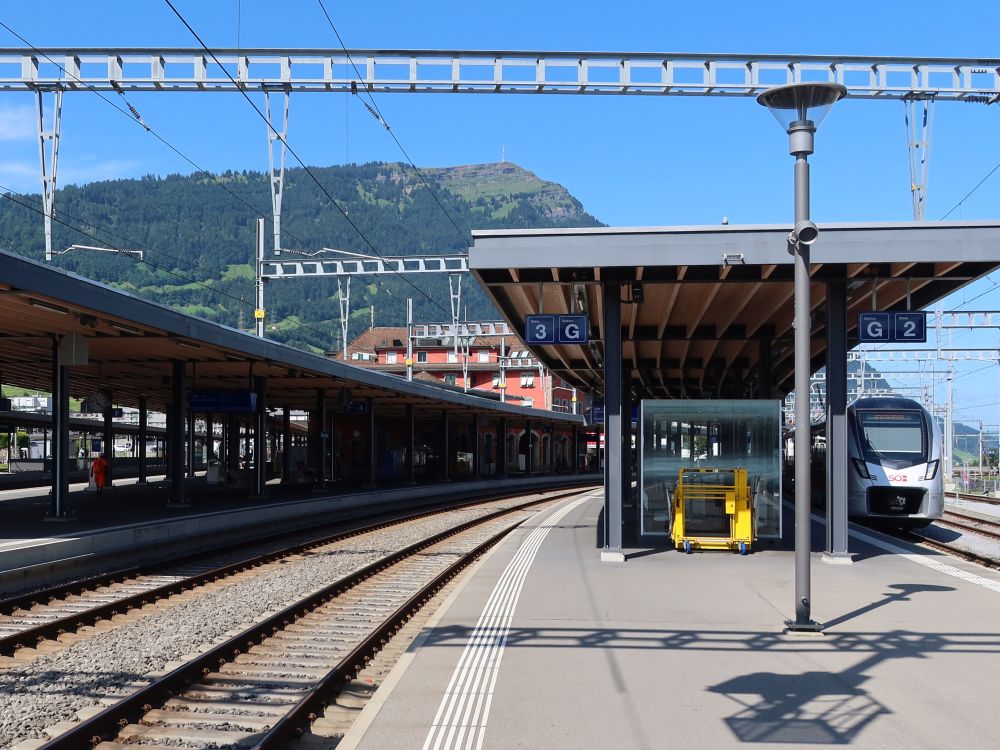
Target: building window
point(528, 402)
point(390, 357)
point(527, 380)
point(421, 356)
point(452, 357)
point(484, 355)
point(449, 379)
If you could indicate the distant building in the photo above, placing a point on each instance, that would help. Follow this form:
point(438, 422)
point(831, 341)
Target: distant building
point(528, 383)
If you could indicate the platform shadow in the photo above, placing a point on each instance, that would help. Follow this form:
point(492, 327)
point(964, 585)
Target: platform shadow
point(811, 706)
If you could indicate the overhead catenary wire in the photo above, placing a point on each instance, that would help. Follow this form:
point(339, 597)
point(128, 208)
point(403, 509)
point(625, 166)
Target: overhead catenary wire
point(9, 195)
point(377, 114)
point(133, 116)
point(295, 155)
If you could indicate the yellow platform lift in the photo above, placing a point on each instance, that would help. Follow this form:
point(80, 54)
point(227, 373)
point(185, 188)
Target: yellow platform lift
point(712, 510)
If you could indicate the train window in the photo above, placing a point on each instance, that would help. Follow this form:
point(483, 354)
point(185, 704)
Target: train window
point(896, 435)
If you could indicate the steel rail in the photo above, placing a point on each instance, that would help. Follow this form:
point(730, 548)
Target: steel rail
point(106, 724)
point(51, 630)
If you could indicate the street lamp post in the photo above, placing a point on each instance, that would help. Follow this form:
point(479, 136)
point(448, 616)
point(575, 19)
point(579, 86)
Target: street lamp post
point(800, 108)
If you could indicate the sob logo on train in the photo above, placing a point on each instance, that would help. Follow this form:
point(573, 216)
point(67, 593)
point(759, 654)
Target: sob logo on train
point(896, 477)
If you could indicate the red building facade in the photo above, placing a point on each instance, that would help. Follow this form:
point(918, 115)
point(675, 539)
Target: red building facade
point(494, 364)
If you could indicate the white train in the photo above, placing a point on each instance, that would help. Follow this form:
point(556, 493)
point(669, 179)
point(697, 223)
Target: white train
point(894, 472)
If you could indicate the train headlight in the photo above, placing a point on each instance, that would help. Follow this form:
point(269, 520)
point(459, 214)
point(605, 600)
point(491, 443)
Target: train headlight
point(932, 467)
point(862, 468)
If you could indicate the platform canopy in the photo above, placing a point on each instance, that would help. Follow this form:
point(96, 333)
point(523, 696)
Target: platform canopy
point(707, 310)
point(132, 344)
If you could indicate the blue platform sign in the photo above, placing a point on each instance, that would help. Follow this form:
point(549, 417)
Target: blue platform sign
point(573, 329)
point(540, 329)
point(874, 327)
point(910, 327)
point(898, 327)
point(225, 402)
point(556, 329)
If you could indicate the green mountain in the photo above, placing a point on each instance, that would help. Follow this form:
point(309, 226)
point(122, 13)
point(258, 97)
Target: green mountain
point(197, 236)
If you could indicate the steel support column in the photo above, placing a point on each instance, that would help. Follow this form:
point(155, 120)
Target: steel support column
point(108, 436)
point(143, 433)
point(475, 446)
point(836, 423)
point(286, 444)
point(411, 445)
point(175, 417)
point(614, 433)
point(445, 451)
point(529, 457)
point(60, 433)
point(502, 448)
point(260, 438)
point(209, 439)
point(765, 366)
point(372, 444)
point(803, 370)
point(190, 442)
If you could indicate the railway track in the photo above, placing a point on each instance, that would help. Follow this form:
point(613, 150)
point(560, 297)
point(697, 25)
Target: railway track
point(267, 684)
point(974, 523)
point(46, 620)
point(974, 497)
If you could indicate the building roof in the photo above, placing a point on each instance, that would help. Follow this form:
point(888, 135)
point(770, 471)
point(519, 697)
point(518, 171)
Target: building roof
point(133, 344)
point(386, 337)
point(713, 296)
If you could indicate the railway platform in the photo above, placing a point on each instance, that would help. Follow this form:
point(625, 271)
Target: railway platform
point(133, 524)
point(543, 645)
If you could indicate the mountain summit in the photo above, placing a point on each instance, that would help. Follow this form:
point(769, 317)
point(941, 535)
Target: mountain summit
point(197, 235)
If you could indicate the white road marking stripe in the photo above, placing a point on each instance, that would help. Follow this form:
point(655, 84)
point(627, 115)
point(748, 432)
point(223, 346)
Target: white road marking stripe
point(926, 559)
point(465, 707)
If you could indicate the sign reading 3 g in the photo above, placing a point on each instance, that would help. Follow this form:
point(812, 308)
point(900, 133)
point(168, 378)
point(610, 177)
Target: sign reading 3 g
point(556, 329)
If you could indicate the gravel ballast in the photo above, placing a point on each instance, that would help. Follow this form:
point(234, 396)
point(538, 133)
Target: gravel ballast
point(54, 687)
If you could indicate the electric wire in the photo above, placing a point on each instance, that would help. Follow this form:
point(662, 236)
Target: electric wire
point(967, 195)
point(133, 116)
point(377, 114)
point(297, 158)
point(9, 195)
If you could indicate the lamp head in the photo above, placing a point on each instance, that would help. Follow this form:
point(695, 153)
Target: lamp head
point(804, 233)
point(796, 104)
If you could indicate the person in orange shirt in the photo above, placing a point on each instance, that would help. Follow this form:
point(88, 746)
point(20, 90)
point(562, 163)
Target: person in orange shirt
point(99, 471)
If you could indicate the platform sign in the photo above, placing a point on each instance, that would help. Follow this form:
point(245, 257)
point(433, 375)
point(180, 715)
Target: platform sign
point(556, 329)
point(540, 329)
point(910, 327)
point(874, 327)
point(573, 329)
point(223, 402)
point(898, 327)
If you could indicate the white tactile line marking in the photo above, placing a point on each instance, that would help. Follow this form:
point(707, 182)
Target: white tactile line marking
point(461, 718)
point(926, 559)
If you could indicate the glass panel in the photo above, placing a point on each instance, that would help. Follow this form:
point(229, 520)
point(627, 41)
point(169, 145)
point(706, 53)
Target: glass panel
point(897, 435)
point(711, 433)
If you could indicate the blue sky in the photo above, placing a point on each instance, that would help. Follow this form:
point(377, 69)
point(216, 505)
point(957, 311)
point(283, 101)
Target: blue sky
point(631, 161)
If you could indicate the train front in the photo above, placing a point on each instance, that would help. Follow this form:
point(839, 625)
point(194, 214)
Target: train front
point(895, 454)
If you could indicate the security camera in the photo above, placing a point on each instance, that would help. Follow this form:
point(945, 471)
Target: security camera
point(805, 233)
